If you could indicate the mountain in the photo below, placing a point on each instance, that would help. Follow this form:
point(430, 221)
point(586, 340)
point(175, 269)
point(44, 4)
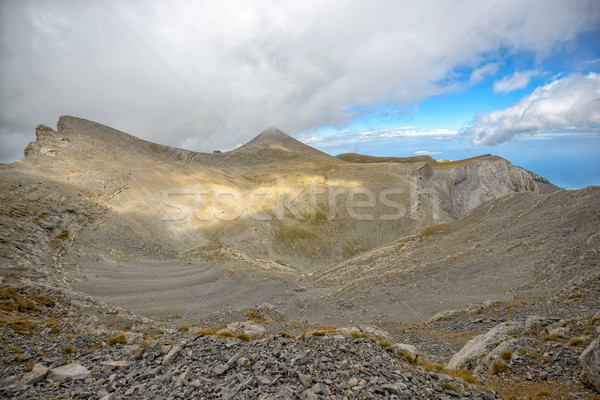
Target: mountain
point(106, 238)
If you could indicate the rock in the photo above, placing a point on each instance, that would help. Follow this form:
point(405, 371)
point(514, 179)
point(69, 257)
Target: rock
point(481, 344)
point(533, 322)
point(183, 378)
point(69, 371)
point(407, 348)
point(122, 364)
point(590, 365)
point(352, 382)
point(440, 315)
point(173, 353)
point(305, 380)
point(250, 328)
point(38, 373)
point(390, 388)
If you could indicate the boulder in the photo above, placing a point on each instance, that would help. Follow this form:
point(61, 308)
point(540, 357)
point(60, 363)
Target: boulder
point(590, 365)
point(38, 373)
point(69, 371)
point(480, 345)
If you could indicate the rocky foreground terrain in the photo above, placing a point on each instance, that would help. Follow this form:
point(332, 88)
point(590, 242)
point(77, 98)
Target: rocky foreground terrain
point(486, 285)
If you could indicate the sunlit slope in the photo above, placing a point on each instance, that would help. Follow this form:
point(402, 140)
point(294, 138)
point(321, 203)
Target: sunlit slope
point(273, 200)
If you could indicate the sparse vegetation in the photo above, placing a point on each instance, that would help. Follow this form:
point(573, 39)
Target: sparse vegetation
point(206, 332)
point(224, 334)
point(286, 334)
point(324, 332)
point(384, 343)
point(448, 386)
point(463, 374)
point(19, 325)
point(69, 350)
point(506, 355)
point(575, 341)
point(430, 366)
point(407, 356)
point(549, 338)
point(243, 336)
point(183, 329)
point(120, 339)
point(358, 335)
point(499, 367)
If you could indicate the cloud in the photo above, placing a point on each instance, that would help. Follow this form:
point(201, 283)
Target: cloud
point(569, 105)
point(481, 73)
point(376, 135)
point(297, 66)
point(426, 152)
point(518, 80)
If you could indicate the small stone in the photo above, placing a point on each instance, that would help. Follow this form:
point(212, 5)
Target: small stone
point(390, 388)
point(263, 380)
point(305, 380)
point(115, 364)
point(352, 382)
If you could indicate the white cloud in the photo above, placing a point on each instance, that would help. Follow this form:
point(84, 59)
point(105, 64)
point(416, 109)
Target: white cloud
point(518, 80)
point(570, 105)
point(345, 137)
point(428, 153)
point(482, 72)
point(295, 65)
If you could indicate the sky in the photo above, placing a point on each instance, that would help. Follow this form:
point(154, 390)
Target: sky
point(519, 79)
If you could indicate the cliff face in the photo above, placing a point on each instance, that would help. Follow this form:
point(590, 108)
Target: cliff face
point(480, 181)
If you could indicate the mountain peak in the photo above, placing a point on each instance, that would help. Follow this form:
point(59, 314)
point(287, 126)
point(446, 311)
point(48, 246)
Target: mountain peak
point(272, 136)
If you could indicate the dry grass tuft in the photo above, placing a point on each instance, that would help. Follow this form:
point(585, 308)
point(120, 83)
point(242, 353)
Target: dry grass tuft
point(448, 386)
point(183, 329)
point(225, 334)
point(407, 356)
point(506, 355)
point(430, 366)
point(69, 350)
point(499, 367)
point(243, 336)
point(575, 341)
point(358, 335)
point(549, 338)
point(463, 374)
point(286, 334)
point(323, 332)
point(207, 332)
point(120, 339)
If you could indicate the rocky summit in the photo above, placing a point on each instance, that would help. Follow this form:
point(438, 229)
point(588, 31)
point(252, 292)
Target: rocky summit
point(129, 269)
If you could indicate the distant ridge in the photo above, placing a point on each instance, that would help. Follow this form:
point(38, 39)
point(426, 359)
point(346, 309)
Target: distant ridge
point(361, 158)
